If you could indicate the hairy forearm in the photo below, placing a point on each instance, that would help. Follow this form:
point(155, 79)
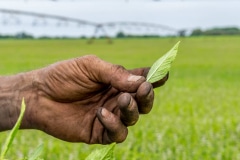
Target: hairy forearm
point(12, 90)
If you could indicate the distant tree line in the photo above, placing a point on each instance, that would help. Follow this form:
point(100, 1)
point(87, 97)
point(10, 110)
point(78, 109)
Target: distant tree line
point(123, 35)
point(216, 31)
point(195, 32)
point(182, 33)
point(21, 35)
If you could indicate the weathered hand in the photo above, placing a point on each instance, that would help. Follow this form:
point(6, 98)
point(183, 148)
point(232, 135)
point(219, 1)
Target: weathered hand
point(89, 100)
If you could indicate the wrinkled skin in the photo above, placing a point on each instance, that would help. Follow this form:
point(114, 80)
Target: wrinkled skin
point(88, 100)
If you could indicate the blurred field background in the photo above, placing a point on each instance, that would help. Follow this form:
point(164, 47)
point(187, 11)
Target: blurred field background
point(195, 115)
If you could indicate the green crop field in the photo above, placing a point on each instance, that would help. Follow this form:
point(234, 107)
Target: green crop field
point(196, 115)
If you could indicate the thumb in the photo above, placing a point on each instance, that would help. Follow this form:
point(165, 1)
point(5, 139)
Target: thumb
point(144, 72)
point(115, 75)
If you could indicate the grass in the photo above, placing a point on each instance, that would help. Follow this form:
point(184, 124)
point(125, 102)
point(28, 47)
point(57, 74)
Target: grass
point(195, 115)
point(13, 132)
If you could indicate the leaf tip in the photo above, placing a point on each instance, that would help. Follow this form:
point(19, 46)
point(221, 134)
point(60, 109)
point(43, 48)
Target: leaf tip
point(162, 66)
point(177, 44)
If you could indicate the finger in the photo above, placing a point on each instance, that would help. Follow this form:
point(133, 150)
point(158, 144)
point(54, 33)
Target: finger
point(144, 72)
point(144, 97)
point(129, 111)
point(116, 130)
point(107, 73)
point(161, 82)
point(140, 71)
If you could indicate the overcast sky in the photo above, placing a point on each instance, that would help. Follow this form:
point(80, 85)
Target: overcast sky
point(179, 14)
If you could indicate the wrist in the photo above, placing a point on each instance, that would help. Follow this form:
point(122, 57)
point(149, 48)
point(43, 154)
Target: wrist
point(13, 89)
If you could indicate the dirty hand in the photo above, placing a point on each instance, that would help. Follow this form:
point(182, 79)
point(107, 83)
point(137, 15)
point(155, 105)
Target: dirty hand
point(87, 100)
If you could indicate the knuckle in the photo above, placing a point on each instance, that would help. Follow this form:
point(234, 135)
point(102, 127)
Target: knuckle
point(91, 56)
point(86, 59)
point(130, 119)
point(119, 135)
point(145, 109)
point(121, 138)
point(132, 122)
point(117, 68)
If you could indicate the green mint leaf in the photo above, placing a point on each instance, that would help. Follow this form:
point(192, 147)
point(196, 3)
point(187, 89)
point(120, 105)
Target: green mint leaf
point(36, 153)
point(162, 66)
point(105, 153)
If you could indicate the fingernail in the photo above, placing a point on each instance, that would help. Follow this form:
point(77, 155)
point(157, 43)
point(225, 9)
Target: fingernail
point(104, 112)
point(133, 78)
